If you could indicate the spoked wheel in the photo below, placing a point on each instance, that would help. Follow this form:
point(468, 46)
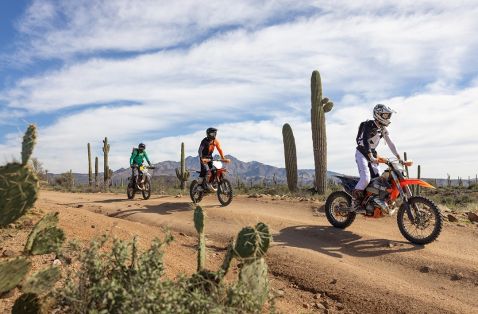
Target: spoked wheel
point(335, 202)
point(195, 193)
point(423, 224)
point(224, 192)
point(130, 191)
point(146, 190)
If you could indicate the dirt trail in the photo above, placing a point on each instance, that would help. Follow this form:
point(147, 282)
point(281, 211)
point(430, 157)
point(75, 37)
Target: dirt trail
point(368, 268)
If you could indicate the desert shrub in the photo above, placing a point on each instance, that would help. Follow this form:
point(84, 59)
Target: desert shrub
point(122, 280)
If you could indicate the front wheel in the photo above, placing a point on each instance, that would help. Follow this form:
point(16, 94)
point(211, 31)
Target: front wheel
point(224, 192)
point(146, 189)
point(130, 191)
point(336, 209)
point(195, 193)
point(423, 223)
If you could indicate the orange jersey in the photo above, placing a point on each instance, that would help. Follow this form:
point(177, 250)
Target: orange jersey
point(206, 149)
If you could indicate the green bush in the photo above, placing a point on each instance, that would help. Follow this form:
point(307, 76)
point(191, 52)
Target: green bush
point(123, 280)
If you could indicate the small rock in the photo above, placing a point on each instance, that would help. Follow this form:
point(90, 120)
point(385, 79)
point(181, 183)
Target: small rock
point(306, 305)
point(178, 196)
point(93, 226)
point(8, 253)
point(391, 244)
point(8, 294)
point(425, 269)
point(325, 304)
point(280, 293)
point(79, 206)
point(334, 281)
point(460, 225)
point(130, 205)
point(320, 306)
point(317, 296)
point(182, 234)
point(56, 262)
point(340, 306)
point(457, 276)
point(452, 218)
point(28, 223)
point(11, 226)
point(472, 217)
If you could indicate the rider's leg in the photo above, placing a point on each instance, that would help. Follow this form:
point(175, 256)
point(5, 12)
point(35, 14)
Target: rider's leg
point(364, 172)
point(202, 175)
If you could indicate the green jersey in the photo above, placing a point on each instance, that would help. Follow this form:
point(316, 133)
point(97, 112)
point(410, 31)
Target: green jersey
point(138, 157)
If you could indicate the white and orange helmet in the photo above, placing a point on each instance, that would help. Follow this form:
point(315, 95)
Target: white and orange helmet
point(382, 114)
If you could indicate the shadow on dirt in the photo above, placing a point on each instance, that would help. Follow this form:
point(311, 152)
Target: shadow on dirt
point(125, 199)
point(162, 209)
point(337, 242)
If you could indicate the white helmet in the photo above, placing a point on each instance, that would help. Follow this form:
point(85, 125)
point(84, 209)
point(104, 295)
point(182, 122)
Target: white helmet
point(382, 114)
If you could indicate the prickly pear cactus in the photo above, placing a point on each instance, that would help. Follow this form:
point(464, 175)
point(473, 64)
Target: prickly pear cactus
point(47, 240)
point(42, 281)
point(253, 276)
point(199, 225)
point(48, 221)
point(27, 303)
point(12, 272)
point(18, 183)
point(29, 140)
point(252, 242)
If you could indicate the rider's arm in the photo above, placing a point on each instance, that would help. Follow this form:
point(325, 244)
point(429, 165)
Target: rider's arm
point(131, 159)
point(219, 149)
point(201, 149)
point(146, 157)
point(390, 144)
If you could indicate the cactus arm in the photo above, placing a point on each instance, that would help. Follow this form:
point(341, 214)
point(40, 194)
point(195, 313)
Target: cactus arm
point(29, 140)
point(42, 280)
point(12, 272)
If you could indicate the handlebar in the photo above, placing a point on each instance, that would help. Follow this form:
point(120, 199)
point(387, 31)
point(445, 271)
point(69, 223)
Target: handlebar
point(204, 160)
point(384, 160)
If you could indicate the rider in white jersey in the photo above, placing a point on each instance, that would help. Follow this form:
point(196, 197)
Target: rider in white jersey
point(368, 137)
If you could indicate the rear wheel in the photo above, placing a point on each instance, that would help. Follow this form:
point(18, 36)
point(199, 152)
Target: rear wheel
point(335, 209)
point(224, 192)
point(130, 191)
point(146, 189)
point(195, 193)
point(424, 222)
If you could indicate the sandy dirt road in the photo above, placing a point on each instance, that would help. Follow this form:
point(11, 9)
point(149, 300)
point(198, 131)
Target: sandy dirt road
point(368, 268)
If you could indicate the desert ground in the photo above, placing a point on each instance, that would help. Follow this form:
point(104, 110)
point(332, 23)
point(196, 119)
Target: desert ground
point(367, 268)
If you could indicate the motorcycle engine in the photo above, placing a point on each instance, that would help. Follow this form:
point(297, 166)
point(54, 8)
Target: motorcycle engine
point(378, 187)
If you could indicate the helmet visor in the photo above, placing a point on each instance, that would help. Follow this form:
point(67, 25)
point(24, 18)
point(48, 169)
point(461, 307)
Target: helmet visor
point(386, 115)
point(212, 134)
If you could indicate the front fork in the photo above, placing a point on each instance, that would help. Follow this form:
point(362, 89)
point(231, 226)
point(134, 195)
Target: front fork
point(406, 194)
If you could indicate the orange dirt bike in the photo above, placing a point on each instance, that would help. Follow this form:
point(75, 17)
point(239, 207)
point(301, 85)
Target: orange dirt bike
point(419, 219)
point(140, 183)
point(217, 183)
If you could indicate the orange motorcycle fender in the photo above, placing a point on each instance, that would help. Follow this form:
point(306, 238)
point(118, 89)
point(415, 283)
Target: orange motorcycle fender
point(416, 182)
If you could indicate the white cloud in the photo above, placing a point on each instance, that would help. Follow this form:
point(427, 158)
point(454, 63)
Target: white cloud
point(252, 78)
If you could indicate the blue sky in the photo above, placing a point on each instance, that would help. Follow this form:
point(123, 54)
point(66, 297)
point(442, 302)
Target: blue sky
point(162, 72)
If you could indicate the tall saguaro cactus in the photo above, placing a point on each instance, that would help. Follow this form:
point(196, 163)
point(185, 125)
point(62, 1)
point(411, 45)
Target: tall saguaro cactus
point(319, 136)
point(90, 174)
point(106, 150)
point(182, 173)
point(96, 171)
point(290, 157)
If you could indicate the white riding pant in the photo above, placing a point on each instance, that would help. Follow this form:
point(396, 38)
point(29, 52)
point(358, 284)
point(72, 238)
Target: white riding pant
point(366, 169)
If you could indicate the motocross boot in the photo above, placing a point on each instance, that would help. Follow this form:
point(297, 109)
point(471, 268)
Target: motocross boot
point(357, 198)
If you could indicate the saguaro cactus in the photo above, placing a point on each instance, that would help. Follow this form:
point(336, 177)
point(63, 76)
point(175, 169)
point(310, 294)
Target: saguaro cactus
point(319, 137)
point(182, 173)
point(18, 183)
point(199, 225)
point(106, 150)
point(90, 174)
point(96, 171)
point(290, 157)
